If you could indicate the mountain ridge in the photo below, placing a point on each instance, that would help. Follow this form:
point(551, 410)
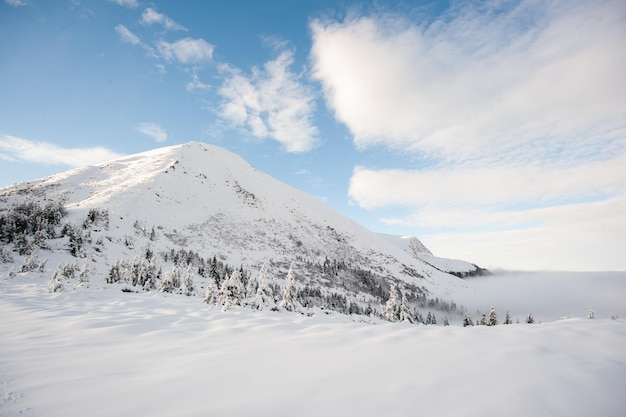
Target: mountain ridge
point(204, 199)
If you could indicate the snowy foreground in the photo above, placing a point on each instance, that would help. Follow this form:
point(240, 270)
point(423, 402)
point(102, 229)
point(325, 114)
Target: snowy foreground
point(101, 352)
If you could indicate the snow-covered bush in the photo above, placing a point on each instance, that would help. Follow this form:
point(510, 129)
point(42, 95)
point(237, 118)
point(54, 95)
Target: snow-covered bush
point(32, 263)
point(55, 283)
point(5, 255)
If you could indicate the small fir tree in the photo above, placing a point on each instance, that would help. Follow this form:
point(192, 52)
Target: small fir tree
point(467, 320)
point(590, 314)
point(264, 297)
point(493, 318)
point(530, 319)
point(507, 318)
point(211, 293)
point(188, 284)
point(232, 291)
point(289, 301)
point(391, 310)
point(405, 311)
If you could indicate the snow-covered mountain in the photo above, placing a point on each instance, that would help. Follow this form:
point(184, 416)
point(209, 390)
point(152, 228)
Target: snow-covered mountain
point(412, 245)
point(212, 203)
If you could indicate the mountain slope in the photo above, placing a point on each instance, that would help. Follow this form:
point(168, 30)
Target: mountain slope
point(204, 199)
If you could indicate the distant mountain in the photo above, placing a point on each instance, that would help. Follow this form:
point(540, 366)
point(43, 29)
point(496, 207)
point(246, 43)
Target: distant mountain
point(209, 205)
point(459, 268)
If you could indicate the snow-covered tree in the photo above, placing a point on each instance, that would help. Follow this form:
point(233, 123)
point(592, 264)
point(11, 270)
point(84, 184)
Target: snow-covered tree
point(83, 275)
point(405, 311)
point(188, 284)
point(467, 320)
point(264, 297)
point(590, 314)
point(507, 318)
point(289, 301)
point(530, 319)
point(232, 291)
point(211, 293)
point(391, 310)
point(431, 318)
point(493, 318)
point(171, 280)
point(55, 282)
point(483, 320)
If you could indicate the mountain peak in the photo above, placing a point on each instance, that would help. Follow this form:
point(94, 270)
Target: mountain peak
point(207, 200)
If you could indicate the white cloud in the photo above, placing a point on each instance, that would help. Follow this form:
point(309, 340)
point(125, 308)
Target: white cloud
point(518, 109)
point(586, 236)
point(16, 3)
point(196, 85)
point(489, 185)
point(17, 149)
point(151, 16)
point(127, 36)
point(485, 81)
point(131, 4)
point(153, 130)
point(271, 103)
point(186, 51)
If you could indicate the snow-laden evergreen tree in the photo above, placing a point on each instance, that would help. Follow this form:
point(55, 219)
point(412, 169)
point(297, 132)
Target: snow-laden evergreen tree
point(232, 291)
point(467, 320)
point(55, 282)
point(171, 280)
point(483, 320)
point(405, 311)
point(530, 319)
point(83, 275)
point(507, 318)
point(289, 301)
point(211, 294)
point(493, 318)
point(188, 284)
point(250, 290)
point(264, 297)
point(391, 310)
point(590, 314)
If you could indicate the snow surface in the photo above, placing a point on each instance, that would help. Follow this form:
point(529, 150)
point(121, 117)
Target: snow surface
point(96, 351)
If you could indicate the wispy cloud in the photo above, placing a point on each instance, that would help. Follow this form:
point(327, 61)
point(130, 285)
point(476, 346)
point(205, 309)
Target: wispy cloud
point(151, 16)
point(186, 51)
point(127, 36)
point(272, 102)
point(13, 148)
point(16, 3)
point(522, 79)
point(131, 4)
point(153, 130)
point(196, 85)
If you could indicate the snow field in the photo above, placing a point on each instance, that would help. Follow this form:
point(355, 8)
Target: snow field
point(101, 352)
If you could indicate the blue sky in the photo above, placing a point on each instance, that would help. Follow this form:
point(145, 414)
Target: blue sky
point(495, 131)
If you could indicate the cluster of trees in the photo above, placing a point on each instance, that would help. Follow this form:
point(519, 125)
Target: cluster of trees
point(256, 293)
point(492, 319)
point(29, 225)
point(398, 308)
point(66, 272)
